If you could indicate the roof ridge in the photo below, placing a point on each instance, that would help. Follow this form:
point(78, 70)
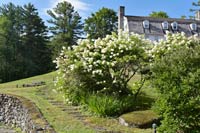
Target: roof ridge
point(138, 18)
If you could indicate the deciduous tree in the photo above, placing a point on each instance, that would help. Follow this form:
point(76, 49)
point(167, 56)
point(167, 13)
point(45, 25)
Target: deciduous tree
point(159, 14)
point(101, 23)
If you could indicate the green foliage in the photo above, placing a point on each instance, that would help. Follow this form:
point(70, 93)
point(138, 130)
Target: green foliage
point(37, 54)
point(101, 23)
point(66, 26)
point(11, 41)
point(22, 43)
point(195, 8)
point(106, 105)
point(183, 17)
point(195, 4)
point(159, 14)
point(176, 75)
point(4, 23)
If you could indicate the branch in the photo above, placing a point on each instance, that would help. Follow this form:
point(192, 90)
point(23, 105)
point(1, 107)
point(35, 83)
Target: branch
point(142, 80)
point(131, 75)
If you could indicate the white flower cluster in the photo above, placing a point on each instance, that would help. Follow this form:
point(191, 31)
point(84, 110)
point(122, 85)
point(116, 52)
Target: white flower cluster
point(102, 56)
point(172, 42)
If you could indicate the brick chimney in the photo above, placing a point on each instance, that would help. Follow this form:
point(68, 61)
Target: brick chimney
point(121, 14)
point(197, 15)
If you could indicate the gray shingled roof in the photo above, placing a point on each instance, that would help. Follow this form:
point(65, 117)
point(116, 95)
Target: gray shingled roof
point(135, 24)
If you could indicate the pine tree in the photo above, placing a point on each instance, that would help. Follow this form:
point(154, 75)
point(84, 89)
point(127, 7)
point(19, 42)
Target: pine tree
point(66, 26)
point(12, 31)
point(4, 24)
point(196, 6)
point(34, 37)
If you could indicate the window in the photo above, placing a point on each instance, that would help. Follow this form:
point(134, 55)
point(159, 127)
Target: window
point(165, 25)
point(146, 24)
point(193, 27)
point(174, 26)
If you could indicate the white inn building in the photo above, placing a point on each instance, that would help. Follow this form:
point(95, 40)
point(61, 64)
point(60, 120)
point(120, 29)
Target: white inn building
point(156, 28)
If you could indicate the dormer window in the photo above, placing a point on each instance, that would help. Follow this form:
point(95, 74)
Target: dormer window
point(165, 25)
point(193, 27)
point(174, 26)
point(146, 24)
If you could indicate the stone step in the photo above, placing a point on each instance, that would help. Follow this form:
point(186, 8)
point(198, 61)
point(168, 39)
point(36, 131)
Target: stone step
point(58, 104)
point(49, 98)
point(40, 94)
point(74, 112)
point(66, 107)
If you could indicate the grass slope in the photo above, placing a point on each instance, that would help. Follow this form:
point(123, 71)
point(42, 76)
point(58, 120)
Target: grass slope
point(62, 121)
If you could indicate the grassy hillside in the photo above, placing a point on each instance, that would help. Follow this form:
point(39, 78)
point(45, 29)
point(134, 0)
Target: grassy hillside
point(57, 113)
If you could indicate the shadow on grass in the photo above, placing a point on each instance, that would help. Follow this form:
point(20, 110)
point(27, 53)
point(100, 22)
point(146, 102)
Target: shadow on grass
point(144, 102)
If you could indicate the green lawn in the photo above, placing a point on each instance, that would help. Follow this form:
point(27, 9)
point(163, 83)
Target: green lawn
point(64, 121)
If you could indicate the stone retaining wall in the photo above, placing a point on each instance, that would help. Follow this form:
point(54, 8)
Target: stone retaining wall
point(20, 112)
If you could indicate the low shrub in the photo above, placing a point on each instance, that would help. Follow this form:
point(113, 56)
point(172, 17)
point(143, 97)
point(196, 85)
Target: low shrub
point(106, 105)
point(176, 75)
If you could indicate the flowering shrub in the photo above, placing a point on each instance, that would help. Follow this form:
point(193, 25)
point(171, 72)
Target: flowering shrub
point(176, 75)
point(101, 66)
point(171, 44)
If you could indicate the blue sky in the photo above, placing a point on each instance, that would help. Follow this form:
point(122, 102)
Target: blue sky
point(174, 8)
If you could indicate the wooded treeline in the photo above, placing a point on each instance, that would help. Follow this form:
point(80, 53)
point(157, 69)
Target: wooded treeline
point(23, 43)
point(26, 47)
